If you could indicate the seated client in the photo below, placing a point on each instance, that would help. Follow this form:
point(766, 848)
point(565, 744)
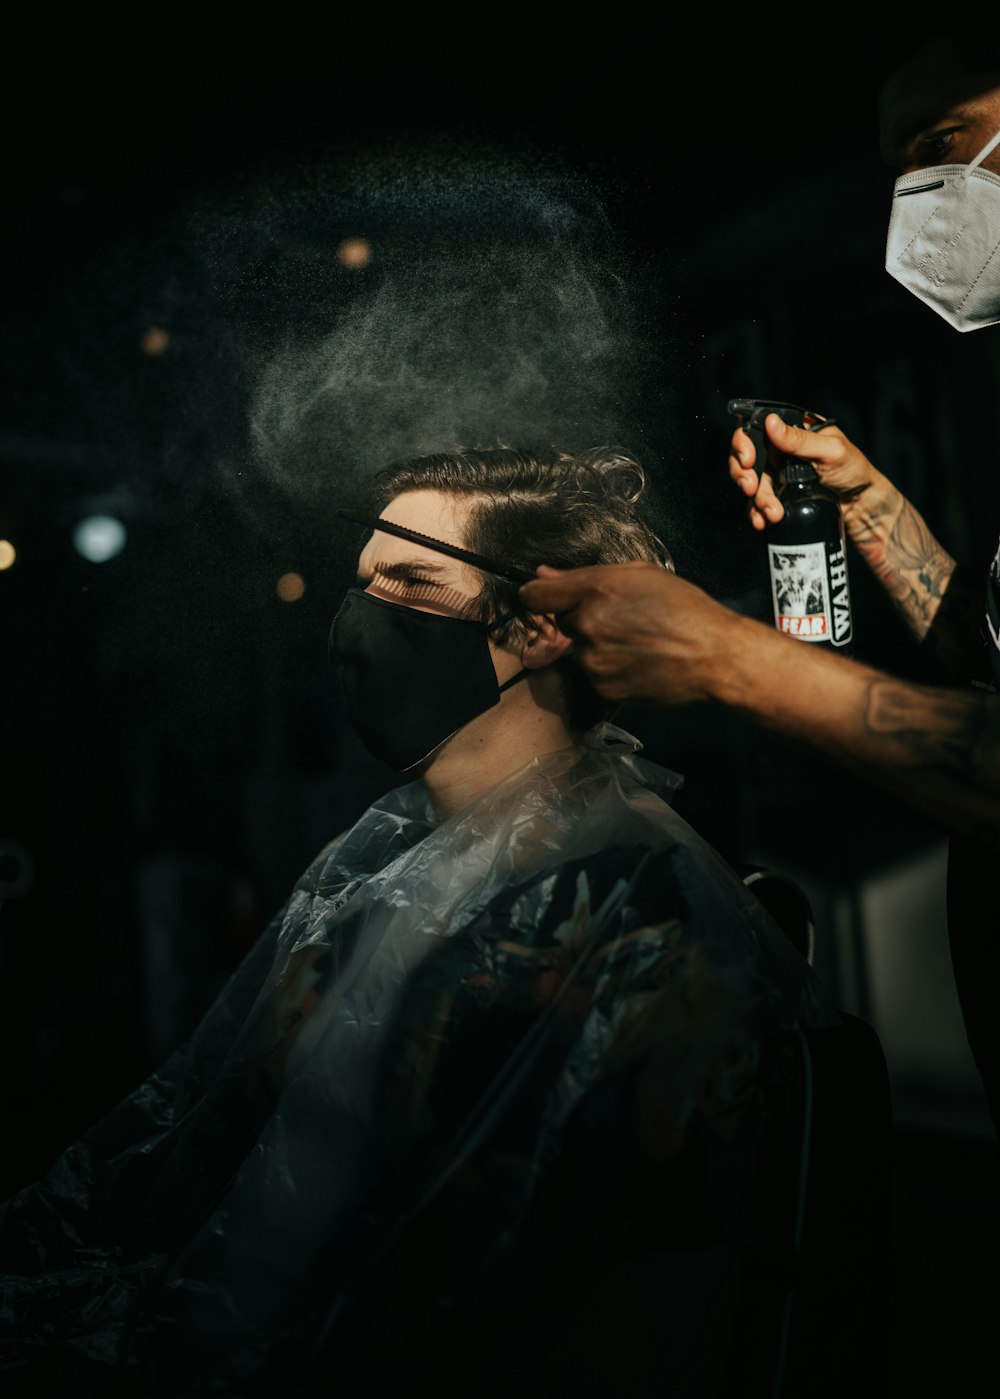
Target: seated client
point(501, 1046)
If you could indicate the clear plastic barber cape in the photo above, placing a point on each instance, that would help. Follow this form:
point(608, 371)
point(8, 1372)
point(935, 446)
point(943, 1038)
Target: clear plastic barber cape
point(459, 1051)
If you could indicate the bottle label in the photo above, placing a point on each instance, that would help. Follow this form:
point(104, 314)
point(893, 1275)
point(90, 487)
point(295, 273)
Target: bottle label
point(809, 591)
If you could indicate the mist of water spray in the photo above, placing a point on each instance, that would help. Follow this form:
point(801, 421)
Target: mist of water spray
point(495, 306)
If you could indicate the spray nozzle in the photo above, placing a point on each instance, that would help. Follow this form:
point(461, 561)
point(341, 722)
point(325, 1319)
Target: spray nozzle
point(755, 410)
point(752, 413)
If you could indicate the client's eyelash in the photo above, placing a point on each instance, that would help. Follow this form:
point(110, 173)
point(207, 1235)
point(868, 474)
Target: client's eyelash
point(392, 580)
point(395, 582)
point(938, 142)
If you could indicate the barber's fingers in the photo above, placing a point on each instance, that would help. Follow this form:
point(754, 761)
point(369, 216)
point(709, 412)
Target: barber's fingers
point(838, 463)
point(742, 462)
point(828, 446)
point(554, 590)
point(560, 591)
point(763, 507)
point(537, 600)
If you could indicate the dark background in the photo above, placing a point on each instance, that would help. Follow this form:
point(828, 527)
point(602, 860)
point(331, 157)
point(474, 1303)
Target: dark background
point(596, 236)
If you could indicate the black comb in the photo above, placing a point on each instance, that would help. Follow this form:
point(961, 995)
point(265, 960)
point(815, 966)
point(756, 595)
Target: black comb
point(480, 561)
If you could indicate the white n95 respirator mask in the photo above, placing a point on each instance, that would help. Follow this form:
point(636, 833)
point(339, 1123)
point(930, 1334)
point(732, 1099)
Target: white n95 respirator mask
point(944, 240)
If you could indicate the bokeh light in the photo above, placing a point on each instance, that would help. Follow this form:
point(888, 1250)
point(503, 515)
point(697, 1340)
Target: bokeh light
point(290, 587)
point(99, 538)
point(7, 554)
point(155, 340)
point(355, 252)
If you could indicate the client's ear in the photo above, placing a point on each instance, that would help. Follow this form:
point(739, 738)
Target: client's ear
point(543, 642)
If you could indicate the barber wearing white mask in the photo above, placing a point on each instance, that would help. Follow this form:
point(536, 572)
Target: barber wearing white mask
point(654, 637)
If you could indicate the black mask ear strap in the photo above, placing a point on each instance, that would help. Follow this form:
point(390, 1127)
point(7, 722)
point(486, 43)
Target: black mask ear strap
point(507, 617)
point(524, 671)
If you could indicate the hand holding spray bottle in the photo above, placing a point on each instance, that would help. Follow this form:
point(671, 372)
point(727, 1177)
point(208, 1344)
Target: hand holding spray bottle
point(806, 549)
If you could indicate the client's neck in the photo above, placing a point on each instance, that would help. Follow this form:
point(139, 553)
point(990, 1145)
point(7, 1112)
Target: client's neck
point(491, 747)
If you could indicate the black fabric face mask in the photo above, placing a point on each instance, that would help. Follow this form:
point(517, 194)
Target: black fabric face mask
point(411, 679)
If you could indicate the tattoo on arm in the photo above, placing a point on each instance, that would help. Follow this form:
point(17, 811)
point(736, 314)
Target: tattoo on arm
point(936, 749)
point(939, 602)
point(907, 560)
point(955, 731)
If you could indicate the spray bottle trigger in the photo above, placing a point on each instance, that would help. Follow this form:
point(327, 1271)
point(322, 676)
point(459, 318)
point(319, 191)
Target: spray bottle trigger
point(752, 413)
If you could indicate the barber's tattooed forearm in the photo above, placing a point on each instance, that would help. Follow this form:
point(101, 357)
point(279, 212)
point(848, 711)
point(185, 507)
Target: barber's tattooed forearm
point(940, 604)
point(955, 732)
point(922, 568)
point(900, 550)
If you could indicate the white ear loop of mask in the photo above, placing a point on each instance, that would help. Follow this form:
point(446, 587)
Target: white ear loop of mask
point(990, 146)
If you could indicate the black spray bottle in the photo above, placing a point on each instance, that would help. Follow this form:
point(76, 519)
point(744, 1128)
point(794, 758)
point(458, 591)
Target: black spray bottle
point(806, 549)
